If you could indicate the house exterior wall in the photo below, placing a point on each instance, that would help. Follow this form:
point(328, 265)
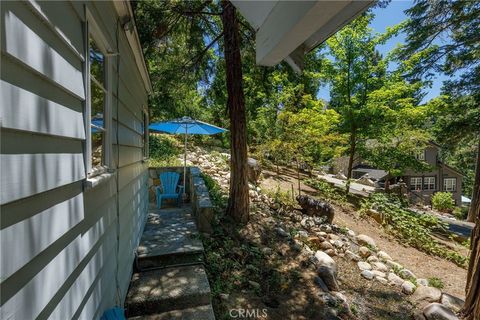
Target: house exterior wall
point(439, 171)
point(67, 250)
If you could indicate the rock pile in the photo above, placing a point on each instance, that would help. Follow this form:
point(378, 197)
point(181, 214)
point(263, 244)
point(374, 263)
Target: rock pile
point(319, 239)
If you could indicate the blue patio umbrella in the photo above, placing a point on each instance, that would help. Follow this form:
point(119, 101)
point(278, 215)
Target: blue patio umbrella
point(186, 126)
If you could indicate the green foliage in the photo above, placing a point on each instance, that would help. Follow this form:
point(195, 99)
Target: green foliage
point(435, 282)
point(217, 196)
point(460, 213)
point(281, 197)
point(412, 228)
point(163, 147)
point(375, 104)
point(443, 201)
point(326, 190)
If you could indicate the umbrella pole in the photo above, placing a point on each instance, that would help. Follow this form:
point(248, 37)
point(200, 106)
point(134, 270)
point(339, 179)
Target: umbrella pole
point(185, 165)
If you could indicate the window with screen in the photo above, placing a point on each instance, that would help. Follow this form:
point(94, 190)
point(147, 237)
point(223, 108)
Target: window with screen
point(98, 93)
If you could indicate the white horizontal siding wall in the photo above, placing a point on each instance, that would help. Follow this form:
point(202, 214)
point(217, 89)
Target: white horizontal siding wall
point(64, 248)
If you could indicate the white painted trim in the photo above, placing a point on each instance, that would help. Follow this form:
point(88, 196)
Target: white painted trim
point(124, 11)
point(93, 30)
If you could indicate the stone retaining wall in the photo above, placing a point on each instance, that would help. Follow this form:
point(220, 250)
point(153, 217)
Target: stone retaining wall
point(201, 203)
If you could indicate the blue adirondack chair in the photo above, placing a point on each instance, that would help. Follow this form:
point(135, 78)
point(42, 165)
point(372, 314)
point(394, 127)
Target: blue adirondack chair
point(169, 188)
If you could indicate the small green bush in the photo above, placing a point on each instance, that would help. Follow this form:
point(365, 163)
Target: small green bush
point(435, 282)
point(443, 201)
point(163, 147)
point(460, 213)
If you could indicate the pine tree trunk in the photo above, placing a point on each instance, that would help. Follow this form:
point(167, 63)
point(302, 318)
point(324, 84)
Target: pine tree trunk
point(238, 202)
point(471, 309)
point(474, 206)
point(353, 145)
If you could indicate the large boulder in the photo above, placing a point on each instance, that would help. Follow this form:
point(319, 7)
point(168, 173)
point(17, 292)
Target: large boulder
point(254, 170)
point(327, 269)
point(427, 294)
point(437, 311)
point(452, 302)
point(314, 207)
point(366, 240)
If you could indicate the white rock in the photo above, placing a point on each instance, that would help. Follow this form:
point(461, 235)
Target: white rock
point(383, 256)
point(406, 274)
point(392, 264)
point(437, 311)
point(379, 266)
point(352, 256)
point(379, 274)
point(394, 279)
point(364, 265)
point(422, 282)
point(408, 287)
point(327, 269)
point(367, 274)
point(452, 302)
point(364, 252)
point(381, 280)
point(372, 258)
point(428, 294)
point(366, 240)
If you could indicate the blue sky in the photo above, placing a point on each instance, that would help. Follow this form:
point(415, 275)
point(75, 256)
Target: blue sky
point(389, 16)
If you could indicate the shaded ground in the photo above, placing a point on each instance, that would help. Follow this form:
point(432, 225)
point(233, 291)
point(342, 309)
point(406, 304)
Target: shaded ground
point(283, 278)
point(423, 265)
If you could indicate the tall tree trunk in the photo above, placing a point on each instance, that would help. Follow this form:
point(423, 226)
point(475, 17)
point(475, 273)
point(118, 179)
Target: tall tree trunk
point(353, 147)
point(471, 309)
point(238, 202)
point(474, 206)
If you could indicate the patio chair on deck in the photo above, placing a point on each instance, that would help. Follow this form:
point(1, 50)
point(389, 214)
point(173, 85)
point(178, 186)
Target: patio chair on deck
point(169, 188)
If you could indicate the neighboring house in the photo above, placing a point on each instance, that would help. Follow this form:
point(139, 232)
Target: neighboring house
point(73, 141)
point(423, 185)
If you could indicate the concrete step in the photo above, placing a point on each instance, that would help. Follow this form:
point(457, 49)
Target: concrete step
point(147, 262)
point(163, 290)
point(204, 312)
point(169, 238)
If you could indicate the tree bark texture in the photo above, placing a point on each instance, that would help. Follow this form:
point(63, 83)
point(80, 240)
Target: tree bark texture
point(353, 145)
point(238, 202)
point(471, 309)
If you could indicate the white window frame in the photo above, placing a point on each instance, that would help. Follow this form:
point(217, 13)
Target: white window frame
point(92, 30)
point(414, 182)
point(420, 156)
point(428, 182)
point(453, 185)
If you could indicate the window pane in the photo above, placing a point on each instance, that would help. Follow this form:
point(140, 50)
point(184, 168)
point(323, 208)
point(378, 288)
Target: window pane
point(96, 63)
point(97, 147)
point(97, 104)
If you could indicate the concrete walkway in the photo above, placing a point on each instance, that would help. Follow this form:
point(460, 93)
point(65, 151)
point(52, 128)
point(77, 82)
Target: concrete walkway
point(170, 282)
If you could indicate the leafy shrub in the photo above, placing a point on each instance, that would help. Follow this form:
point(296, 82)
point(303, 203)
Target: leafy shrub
point(163, 147)
point(443, 201)
point(281, 197)
point(460, 213)
point(215, 192)
point(413, 228)
point(326, 190)
point(435, 282)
